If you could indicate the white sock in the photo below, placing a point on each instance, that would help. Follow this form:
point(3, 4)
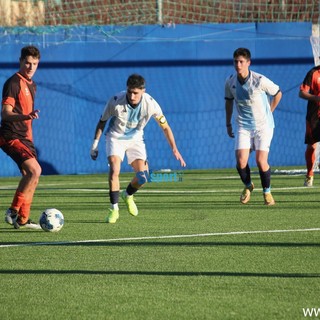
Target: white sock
point(115, 206)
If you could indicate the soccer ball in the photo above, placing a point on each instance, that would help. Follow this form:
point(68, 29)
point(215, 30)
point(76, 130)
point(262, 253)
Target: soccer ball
point(51, 220)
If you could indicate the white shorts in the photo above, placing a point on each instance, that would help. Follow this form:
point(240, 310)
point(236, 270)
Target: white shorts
point(254, 139)
point(133, 149)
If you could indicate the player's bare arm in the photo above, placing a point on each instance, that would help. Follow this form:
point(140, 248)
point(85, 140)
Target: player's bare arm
point(308, 96)
point(99, 129)
point(229, 111)
point(170, 138)
point(7, 114)
point(275, 100)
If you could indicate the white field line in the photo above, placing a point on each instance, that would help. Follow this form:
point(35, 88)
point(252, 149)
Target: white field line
point(105, 183)
point(214, 234)
point(200, 191)
point(219, 190)
point(43, 185)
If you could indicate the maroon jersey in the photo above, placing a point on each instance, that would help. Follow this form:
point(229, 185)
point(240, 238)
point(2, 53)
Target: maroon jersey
point(311, 84)
point(18, 92)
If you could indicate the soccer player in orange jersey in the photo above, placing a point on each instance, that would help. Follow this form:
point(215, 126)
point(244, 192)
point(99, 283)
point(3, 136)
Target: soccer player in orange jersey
point(310, 90)
point(16, 138)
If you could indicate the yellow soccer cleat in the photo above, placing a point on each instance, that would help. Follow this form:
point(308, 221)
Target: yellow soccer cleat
point(129, 201)
point(268, 199)
point(246, 193)
point(112, 216)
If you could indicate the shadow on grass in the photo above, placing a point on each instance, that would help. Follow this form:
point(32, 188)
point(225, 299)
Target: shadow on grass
point(164, 273)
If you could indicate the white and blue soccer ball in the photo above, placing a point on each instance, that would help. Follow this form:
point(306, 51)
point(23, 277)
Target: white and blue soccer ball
point(51, 220)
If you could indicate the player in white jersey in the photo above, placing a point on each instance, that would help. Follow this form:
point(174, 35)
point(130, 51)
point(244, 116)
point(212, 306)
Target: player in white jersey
point(251, 93)
point(128, 112)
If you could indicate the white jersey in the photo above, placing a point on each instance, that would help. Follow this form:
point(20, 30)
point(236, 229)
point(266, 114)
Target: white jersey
point(252, 101)
point(126, 122)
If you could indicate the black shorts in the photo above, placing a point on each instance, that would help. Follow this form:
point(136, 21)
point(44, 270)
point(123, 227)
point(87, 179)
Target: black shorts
point(312, 124)
point(19, 150)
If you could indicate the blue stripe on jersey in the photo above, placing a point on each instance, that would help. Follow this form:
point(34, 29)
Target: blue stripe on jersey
point(270, 119)
point(133, 119)
point(246, 117)
point(242, 91)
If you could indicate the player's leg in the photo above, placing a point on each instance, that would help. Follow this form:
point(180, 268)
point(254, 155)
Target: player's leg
point(312, 136)
point(23, 198)
point(141, 177)
point(114, 187)
point(310, 156)
point(24, 154)
point(242, 156)
point(115, 150)
point(243, 145)
point(262, 143)
point(137, 156)
point(114, 173)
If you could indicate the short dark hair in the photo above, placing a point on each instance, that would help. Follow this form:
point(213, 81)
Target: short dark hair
point(244, 52)
point(136, 81)
point(30, 51)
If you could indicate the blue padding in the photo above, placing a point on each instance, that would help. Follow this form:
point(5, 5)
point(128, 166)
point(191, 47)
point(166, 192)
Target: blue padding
point(75, 79)
point(143, 177)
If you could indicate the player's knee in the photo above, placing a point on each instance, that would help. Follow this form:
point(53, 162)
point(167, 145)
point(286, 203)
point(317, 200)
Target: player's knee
point(114, 174)
point(143, 177)
point(37, 170)
point(32, 171)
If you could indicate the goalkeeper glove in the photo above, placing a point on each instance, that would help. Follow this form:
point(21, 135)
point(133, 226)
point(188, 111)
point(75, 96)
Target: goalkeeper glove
point(94, 149)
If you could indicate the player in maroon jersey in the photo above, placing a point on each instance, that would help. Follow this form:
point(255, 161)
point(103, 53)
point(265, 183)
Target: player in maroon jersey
point(310, 90)
point(16, 138)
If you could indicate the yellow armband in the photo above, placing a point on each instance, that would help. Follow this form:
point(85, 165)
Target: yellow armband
point(162, 120)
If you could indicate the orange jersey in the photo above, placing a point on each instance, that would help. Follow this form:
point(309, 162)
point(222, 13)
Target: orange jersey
point(311, 84)
point(18, 92)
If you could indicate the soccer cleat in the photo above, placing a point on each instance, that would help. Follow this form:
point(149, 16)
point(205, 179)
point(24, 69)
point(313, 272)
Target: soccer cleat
point(246, 193)
point(11, 216)
point(308, 182)
point(131, 206)
point(28, 225)
point(112, 216)
point(268, 199)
